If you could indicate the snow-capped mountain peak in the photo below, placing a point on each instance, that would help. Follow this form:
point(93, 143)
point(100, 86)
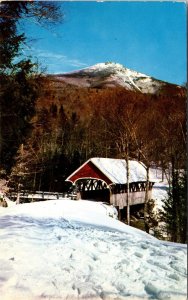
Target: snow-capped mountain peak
point(111, 74)
point(125, 77)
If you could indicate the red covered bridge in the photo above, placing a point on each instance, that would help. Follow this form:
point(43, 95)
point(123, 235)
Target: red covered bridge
point(105, 179)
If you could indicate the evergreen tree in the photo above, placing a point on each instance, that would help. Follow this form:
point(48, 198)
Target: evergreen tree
point(174, 212)
point(19, 88)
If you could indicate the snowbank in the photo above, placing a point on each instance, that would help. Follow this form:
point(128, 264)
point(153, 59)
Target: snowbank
point(69, 249)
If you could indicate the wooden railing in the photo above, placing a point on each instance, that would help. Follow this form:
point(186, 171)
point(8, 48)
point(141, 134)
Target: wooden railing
point(28, 196)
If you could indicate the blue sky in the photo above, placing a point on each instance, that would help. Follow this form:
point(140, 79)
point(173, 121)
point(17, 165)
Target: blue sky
point(149, 37)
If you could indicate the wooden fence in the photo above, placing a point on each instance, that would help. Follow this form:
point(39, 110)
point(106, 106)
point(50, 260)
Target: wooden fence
point(28, 196)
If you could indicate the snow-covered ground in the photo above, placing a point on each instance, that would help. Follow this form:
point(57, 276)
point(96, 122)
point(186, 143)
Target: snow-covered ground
point(66, 249)
point(160, 188)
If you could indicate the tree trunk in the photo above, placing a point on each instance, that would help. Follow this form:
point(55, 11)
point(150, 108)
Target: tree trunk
point(119, 214)
point(1, 140)
point(175, 197)
point(146, 216)
point(18, 194)
point(128, 193)
point(34, 181)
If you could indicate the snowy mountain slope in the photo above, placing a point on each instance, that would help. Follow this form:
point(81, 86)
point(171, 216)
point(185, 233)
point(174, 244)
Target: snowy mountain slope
point(111, 75)
point(68, 249)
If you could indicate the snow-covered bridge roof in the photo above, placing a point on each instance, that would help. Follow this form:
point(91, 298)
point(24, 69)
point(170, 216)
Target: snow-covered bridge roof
point(110, 170)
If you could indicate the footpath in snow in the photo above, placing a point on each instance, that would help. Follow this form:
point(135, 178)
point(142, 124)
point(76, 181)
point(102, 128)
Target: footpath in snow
point(67, 249)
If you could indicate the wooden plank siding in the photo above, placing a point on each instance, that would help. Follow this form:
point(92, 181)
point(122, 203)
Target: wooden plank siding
point(120, 200)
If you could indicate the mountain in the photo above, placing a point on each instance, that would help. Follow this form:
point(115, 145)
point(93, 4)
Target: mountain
point(105, 75)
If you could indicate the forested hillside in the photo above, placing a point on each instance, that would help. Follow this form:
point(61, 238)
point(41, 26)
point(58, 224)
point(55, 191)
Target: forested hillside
point(74, 123)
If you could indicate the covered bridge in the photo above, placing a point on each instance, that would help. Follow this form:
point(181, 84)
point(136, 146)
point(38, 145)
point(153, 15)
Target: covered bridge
point(105, 179)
